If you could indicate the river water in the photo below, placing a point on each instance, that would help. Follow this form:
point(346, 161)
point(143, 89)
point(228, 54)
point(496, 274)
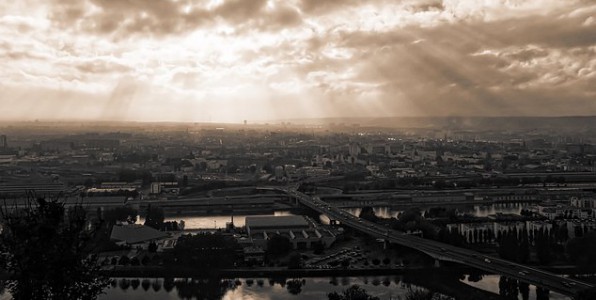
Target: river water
point(219, 221)
point(384, 287)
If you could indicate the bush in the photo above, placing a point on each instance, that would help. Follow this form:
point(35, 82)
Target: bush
point(124, 260)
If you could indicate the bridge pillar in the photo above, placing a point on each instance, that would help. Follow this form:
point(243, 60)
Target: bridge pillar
point(437, 263)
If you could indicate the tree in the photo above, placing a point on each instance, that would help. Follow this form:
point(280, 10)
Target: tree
point(294, 286)
point(294, 261)
point(318, 247)
point(582, 251)
point(278, 245)
point(543, 249)
point(120, 214)
point(368, 213)
point(152, 247)
point(124, 260)
point(206, 251)
point(154, 217)
point(419, 294)
point(135, 261)
point(48, 252)
point(352, 293)
point(345, 263)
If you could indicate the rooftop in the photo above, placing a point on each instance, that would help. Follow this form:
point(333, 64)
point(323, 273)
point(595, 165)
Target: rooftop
point(135, 233)
point(276, 221)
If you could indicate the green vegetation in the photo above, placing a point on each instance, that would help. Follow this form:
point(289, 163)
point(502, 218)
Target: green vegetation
point(278, 245)
point(514, 246)
point(205, 251)
point(419, 294)
point(352, 293)
point(582, 251)
point(154, 217)
point(120, 214)
point(47, 252)
point(295, 261)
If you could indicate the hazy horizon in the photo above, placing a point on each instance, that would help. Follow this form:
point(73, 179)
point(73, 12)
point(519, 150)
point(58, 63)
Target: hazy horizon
point(266, 60)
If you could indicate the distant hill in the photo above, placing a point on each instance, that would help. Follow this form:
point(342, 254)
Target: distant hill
point(579, 123)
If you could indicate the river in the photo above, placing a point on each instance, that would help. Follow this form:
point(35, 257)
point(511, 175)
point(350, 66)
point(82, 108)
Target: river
point(219, 221)
point(384, 287)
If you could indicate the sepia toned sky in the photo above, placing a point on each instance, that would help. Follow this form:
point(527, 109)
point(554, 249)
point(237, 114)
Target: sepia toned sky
point(230, 60)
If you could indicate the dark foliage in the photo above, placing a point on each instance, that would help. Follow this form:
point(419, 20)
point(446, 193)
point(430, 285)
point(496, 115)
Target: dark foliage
point(45, 249)
point(206, 251)
point(154, 217)
point(278, 245)
point(352, 293)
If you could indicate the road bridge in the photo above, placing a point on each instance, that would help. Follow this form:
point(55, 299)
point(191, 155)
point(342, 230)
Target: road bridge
point(445, 252)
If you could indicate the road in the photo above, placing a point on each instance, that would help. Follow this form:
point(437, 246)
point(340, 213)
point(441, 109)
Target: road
point(441, 251)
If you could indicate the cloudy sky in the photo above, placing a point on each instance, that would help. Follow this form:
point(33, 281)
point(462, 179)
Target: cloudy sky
point(230, 60)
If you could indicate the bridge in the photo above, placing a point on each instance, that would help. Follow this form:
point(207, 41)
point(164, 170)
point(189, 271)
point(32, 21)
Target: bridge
point(445, 252)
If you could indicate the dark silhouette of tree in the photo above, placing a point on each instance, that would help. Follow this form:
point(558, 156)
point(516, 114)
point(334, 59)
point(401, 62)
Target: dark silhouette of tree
point(345, 263)
point(368, 213)
point(203, 289)
point(419, 294)
point(206, 251)
point(47, 251)
point(154, 217)
point(294, 261)
point(524, 290)
point(508, 288)
point(318, 247)
point(278, 245)
point(582, 251)
point(352, 293)
point(124, 260)
point(152, 247)
point(135, 283)
point(294, 286)
point(120, 214)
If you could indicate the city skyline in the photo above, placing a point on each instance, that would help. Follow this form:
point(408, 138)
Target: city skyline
point(227, 61)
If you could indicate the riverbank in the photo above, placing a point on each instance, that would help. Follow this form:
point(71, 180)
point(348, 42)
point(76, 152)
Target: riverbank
point(177, 271)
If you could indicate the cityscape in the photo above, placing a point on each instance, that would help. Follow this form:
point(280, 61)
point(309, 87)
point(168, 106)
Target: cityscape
point(301, 149)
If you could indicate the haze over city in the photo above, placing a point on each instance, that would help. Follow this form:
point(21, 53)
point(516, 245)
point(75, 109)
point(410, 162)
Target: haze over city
point(228, 61)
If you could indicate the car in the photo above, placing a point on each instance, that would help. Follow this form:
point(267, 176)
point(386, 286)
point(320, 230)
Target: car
point(488, 261)
point(443, 249)
point(521, 273)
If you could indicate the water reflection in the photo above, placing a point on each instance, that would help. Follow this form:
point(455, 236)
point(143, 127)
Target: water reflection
point(385, 287)
point(511, 288)
point(216, 221)
point(219, 221)
point(475, 210)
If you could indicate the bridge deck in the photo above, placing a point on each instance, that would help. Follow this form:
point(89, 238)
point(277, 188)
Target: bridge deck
point(531, 275)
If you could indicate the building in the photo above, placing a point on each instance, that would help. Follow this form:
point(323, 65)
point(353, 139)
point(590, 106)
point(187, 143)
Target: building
point(3, 142)
point(301, 231)
point(136, 235)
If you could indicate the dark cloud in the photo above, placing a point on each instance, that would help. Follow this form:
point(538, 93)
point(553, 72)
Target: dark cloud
point(162, 17)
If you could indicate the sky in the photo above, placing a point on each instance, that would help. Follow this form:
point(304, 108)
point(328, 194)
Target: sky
point(235, 60)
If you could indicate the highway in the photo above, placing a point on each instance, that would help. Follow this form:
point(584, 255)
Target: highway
point(445, 252)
